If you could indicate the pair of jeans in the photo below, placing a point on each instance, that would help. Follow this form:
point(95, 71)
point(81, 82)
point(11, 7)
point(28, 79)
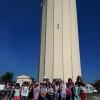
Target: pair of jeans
point(67, 97)
point(57, 96)
point(76, 97)
point(1, 98)
point(42, 98)
point(24, 98)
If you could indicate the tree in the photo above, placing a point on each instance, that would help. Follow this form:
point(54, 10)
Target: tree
point(7, 77)
point(97, 85)
point(32, 79)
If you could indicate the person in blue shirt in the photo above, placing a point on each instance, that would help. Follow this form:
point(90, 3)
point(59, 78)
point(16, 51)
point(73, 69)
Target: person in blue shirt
point(76, 91)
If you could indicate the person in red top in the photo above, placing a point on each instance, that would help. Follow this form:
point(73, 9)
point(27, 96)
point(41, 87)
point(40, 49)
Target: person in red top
point(69, 86)
point(83, 91)
point(68, 93)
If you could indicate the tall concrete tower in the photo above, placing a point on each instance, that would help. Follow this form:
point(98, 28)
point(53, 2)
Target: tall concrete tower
point(59, 51)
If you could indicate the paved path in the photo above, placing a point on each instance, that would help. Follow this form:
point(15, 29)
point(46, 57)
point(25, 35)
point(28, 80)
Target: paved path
point(93, 98)
point(96, 98)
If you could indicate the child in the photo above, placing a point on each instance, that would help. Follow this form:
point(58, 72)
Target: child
point(51, 92)
point(17, 92)
point(76, 91)
point(31, 95)
point(68, 93)
point(83, 91)
point(63, 92)
point(43, 92)
point(36, 91)
point(24, 91)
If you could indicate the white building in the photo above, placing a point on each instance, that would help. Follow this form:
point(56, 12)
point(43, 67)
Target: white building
point(23, 78)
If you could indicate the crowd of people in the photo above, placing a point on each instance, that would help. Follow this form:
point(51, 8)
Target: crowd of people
point(57, 90)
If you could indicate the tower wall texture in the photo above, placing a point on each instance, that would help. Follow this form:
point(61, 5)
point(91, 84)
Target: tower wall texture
point(59, 53)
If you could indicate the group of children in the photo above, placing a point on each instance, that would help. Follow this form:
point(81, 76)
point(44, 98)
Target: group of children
point(57, 90)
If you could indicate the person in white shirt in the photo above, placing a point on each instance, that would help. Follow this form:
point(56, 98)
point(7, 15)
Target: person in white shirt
point(63, 92)
point(24, 92)
point(51, 92)
point(56, 91)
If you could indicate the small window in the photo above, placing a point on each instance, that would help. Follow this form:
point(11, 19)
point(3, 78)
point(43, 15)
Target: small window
point(57, 26)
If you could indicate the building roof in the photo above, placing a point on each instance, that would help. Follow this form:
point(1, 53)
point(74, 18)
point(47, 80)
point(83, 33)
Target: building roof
point(23, 76)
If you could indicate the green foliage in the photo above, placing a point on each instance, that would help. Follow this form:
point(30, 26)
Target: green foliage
point(32, 79)
point(7, 77)
point(97, 85)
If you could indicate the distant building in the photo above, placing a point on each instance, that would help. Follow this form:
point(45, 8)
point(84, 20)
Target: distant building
point(23, 78)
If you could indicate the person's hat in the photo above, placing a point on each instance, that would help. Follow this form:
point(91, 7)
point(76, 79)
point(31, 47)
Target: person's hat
point(36, 83)
point(44, 77)
point(44, 82)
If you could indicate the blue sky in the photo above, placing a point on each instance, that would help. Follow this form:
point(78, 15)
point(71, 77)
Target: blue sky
point(20, 37)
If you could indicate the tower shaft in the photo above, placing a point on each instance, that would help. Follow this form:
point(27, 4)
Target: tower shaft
point(59, 53)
